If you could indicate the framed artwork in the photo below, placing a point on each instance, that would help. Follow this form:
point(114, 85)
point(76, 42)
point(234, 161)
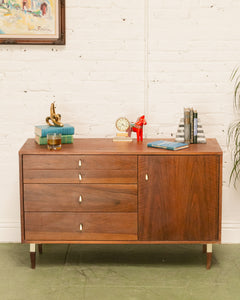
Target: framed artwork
point(32, 22)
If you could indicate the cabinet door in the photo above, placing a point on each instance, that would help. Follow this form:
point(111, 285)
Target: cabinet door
point(179, 198)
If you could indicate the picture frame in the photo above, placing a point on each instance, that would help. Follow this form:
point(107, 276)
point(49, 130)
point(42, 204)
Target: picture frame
point(32, 22)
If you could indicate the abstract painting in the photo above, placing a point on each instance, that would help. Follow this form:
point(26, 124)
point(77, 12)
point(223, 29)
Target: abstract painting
point(32, 21)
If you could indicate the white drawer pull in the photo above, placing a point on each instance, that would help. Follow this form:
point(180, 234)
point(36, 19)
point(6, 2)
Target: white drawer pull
point(80, 199)
point(80, 163)
point(80, 177)
point(81, 227)
point(146, 177)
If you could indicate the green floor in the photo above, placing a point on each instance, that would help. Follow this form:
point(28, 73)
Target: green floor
point(119, 272)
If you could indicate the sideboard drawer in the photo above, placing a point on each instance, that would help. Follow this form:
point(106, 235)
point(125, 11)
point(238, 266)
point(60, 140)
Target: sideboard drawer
point(80, 226)
point(82, 198)
point(74, 176)
point(79, 162)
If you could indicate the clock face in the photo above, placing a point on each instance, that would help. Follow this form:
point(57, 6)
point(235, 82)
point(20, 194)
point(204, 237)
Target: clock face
point(122, 124)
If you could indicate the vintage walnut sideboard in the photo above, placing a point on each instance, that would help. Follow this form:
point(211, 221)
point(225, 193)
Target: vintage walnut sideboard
point(100, 191)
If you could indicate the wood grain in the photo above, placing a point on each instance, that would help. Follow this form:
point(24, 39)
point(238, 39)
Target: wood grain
point(95, 197)
point(66, 226)
point(108, 147)
point(21, 197)
point(181, 198)
point(116, 242)
point(209, 260)
point(220, 170)
point(179, 203)
point(71, 162)
point(33, 259)
point(72, 176)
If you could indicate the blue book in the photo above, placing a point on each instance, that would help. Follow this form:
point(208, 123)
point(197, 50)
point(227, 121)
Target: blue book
point(168, 145)
point(43, 130)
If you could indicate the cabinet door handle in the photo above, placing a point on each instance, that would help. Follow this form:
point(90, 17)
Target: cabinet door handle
point(146, 177)
point(80, 177)
point(80, 199)
point(80, 163)
point(81, 227)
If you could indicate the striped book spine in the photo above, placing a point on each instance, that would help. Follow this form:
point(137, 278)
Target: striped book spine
point(66, 139)
point(187, 129)
point(195, 126)
point(43, 130)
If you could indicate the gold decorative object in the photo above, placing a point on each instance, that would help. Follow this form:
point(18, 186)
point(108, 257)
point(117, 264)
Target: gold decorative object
point(54, 119)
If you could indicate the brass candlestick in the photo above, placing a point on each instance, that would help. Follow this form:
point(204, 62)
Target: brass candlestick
point(54, 118)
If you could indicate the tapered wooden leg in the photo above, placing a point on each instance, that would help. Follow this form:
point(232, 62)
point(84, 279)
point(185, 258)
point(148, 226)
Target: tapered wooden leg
point(204, 250)
point(33, 255)
point(40, 248)
point(209, 260)
point(33, 259)
point(209, 256)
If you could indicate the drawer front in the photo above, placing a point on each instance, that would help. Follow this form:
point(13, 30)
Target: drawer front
point(79, 162)
point(74, 176)
point(82, 198)
point(80, 226)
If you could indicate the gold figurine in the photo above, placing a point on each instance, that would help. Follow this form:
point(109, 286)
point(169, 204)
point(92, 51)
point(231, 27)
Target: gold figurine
point(54, 118)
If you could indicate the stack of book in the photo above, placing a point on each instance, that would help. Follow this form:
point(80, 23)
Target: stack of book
point(190, 125)
point(41, 132)
point(190, 130)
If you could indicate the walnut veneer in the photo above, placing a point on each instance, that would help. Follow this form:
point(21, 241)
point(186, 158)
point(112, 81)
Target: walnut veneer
point(100, 191)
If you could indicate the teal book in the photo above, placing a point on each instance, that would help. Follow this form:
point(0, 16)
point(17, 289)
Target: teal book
point(43, 130)
point(168, 145)
point(66, 139)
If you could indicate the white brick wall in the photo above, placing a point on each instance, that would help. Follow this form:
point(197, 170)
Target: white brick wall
point(123, 57)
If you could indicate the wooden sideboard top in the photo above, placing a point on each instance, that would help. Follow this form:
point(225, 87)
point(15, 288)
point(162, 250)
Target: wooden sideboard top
point(107, 146)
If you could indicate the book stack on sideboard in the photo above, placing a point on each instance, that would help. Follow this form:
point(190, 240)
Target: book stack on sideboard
point(190, 130)
point(41, 132)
